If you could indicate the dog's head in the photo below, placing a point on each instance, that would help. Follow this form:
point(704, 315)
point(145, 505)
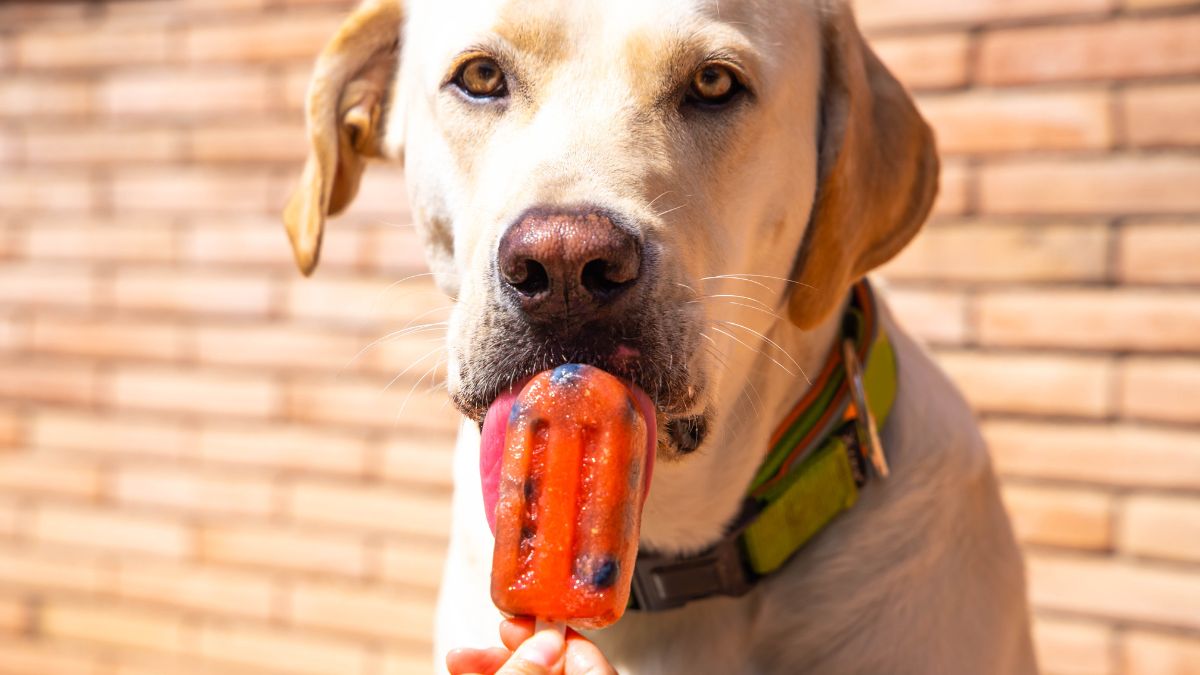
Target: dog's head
point(585, 173)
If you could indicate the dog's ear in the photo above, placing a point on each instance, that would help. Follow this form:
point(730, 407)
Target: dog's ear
point(877, 172)
point(345, 113)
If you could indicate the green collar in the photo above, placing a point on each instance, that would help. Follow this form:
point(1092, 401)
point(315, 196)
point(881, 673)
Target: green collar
point(821, 455)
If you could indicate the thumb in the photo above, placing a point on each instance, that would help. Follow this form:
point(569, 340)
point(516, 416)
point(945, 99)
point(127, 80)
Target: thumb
point(541, 654)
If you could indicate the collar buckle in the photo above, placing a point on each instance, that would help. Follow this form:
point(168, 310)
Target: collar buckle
point(864, 421)
point(665, 582)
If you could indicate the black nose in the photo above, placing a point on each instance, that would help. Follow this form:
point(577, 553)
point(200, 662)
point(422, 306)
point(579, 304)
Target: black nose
point(568, 263)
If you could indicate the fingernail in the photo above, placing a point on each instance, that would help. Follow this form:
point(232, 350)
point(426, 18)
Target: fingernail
point(543, 649)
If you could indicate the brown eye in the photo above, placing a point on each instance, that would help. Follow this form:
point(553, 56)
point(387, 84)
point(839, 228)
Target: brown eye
point(714, 84)
point(481, 78)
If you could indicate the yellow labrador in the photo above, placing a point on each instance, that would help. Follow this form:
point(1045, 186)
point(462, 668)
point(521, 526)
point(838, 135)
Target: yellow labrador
point(681, 192)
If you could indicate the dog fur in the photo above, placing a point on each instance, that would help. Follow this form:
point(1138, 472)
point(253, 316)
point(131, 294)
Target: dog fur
point(757, 218)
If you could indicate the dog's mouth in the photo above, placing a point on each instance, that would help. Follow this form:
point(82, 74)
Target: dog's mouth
point(493, 439)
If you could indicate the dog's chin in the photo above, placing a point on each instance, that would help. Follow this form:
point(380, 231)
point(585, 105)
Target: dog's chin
point(676, 391)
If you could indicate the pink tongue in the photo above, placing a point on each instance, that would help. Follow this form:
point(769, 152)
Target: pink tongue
point(495, 423)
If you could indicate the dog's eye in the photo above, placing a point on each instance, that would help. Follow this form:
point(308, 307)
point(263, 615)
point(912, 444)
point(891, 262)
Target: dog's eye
point(481, 78)
point(714, 84)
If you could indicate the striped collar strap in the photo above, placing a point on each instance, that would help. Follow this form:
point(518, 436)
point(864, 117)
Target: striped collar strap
point(822, 453)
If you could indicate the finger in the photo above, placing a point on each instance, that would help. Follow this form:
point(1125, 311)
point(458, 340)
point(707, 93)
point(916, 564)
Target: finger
point(484, 661)
point(584, 658)
point(541, 654)
point(515, 631)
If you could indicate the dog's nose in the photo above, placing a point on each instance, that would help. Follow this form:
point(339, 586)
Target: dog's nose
point(568, 262)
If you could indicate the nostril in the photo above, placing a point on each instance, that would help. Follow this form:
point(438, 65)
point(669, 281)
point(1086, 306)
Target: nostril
point(598, 279)
point(533, 280)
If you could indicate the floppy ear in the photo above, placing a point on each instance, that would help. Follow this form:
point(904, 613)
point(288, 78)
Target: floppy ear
point(346, 99)
point(877, 172)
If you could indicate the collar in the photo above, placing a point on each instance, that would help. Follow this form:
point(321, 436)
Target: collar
point(822, 453)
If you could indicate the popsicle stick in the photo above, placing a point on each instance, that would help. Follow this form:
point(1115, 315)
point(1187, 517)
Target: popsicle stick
point(540, 625)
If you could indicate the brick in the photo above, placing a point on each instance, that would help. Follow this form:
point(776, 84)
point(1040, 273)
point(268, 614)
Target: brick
point(927, 61)
point(46, 191)
point(106, 434)
point(1161, 527)
point(362, 611)
point(933, 315)
point(1134, 185)
point(1031, 383)
point(110, 530)
point(1115, 455)
point(285, 448)
point(420, 662)
point(18, 13)
point(11, 150)
point(359, 506)
point(414, 564)
point(184, 7)
point(261, 241)
point(279, 651)
point(954, 184)
point(184, 93)
point(382, 194)
point(295, 87)
point(48, 381)
point(300, 37)
point(71, 145)
point(1119, 49)
point(129, 239)
point(197, 588)
point(1009, 121)
point(1163, 116)
point(12, 333)
point(105, 337)
point(46, 474)
point(998, 251)
point(405, 354)
point(362, 403)
point(37, 284)
point(1066, 647)
point(12, 428)
point(260, 143)
point(1161, 389)
point(894, 13)
point(190, 490)
point(1148, 653)
point(15, 614)
point(277, 346)
point(41, 658)
point(282, 549)
point(33, 568)
point(1163, 596)
point(23, 97)
point(200, 190)
point(194, 391)
point(1091, 319)
point(422, 459)
point(1065, 517)
point(1160, 252)
point(363, 301)
point(111, 625)
point(95, 46)
point(395, 249)
point(191, 292)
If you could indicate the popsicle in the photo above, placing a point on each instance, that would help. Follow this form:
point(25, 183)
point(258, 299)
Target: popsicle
point(572, 482)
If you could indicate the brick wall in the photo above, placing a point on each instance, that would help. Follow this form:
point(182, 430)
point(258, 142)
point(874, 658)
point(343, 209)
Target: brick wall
point(208, 464)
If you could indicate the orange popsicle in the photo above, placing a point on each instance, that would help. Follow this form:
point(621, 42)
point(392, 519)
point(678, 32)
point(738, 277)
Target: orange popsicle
point(571, 489)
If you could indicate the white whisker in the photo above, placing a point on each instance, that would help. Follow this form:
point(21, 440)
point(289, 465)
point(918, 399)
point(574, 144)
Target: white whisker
point(757, 351)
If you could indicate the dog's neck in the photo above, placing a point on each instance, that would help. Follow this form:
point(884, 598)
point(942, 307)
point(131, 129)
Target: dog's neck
point(693, 499)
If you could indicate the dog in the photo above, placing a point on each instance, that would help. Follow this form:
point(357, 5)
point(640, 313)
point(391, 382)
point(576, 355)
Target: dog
point(684, 192)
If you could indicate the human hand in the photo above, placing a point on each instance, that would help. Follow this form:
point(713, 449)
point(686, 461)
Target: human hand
point(524, 653)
